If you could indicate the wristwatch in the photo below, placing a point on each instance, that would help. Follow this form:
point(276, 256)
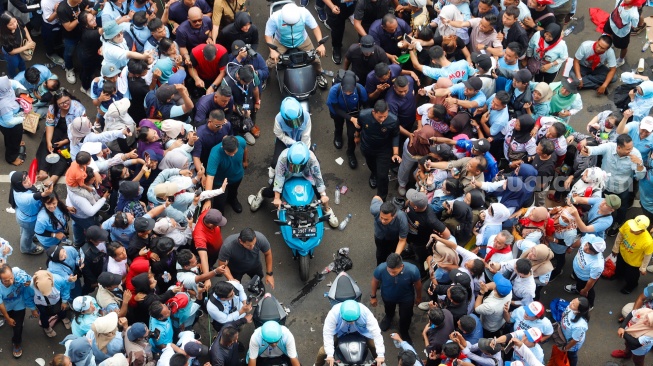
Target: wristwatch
point(372, 296)
point(269, 273)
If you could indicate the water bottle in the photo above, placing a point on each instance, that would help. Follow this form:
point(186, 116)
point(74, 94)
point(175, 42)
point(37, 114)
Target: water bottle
point(336, 197)
point(396, 342)
point(344, 222)
point(569, 30)
point(166, 276)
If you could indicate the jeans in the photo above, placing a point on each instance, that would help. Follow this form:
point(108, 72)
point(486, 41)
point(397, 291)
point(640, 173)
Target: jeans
point(339, 124)
point(406, 167)
point(26, 235)
point(51, 34)
point(15, 64)
point(19, 317)
point(70, 45)
point(79, 227)
point(379, 164)
point(593, 79)
point(573, 358)
point(405, 314)
point(627, 197)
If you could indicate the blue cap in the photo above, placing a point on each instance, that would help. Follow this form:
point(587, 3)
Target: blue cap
point(503, 286)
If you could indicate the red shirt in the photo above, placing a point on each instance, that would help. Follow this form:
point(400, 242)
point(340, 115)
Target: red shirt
point(205, 238)
point(209, 70)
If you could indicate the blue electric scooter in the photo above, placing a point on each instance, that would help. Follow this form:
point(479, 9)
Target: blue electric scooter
point(302, 221)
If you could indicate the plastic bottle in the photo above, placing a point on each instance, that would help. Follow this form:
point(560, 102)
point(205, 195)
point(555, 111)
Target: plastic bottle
point(336, 197)
point(397, 343)
point(648, 43)
point(569, 30)
point(166, 276)
point(343, 223)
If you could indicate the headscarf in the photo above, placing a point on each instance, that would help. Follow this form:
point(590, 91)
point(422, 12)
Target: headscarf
point(175, 159)
point(80, 351)
point(638, 328)
point(141, 283)
point(441, 84)
point(16, 179)
point(444, 254)
point(561, 102)
point(500, 214)
point(44, 282)
point(477, 200)
point(53, 253)
point(8, 103)
point(104, 328)
point(596, 178)
point(79, 129)
point(545, 91)
point(519, 188)
point(526, 124)
point(420, 148)
point(556, 214)
point(172, 128)
point(463, 214)
point(449, 12)
point(542, 263)
point(556, 33)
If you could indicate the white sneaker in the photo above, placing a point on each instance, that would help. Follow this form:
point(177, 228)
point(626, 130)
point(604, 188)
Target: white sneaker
point(333, 220)
point(255, 200)
point(56, 59)
point(86, 91)
point(351, 19)
point(249, 138)
point(271, 172)
point(424, 306)
point(620, 62)
point(70, 76)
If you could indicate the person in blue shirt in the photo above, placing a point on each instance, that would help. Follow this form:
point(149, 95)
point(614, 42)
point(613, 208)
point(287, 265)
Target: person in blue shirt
point(24, 198)
point(467, 95)
point(51, 296)
point(85, 310)
point(407, 355)
point(121, 225)
point(640, 132)
point(588, 266)
point(160, 320)
point(470, 327)
point(66, 261)
point(106, 327)
point(52, 221)
point(137, 34)
point(15, 298)
point(599, 217)
point(575, 323)
point(227, 160)
point(441, 67)
point(33, 77)
point(402, 103)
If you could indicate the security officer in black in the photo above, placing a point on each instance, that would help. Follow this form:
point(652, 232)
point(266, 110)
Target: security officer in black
point(379, 143)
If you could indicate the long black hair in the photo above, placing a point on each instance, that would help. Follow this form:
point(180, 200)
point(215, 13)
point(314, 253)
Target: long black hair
point(7, 38)
point(61, 206)
point(583, 310)
point(58, 95)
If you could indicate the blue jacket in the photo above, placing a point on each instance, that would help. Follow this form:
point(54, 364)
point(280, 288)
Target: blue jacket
point(18, 296)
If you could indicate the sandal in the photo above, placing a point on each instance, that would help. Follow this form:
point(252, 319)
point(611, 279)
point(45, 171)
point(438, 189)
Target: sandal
point(22, 154)
point(17, 350)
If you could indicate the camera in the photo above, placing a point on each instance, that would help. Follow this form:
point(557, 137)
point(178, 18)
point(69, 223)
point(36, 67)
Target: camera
point(154, 334)
point(250, 51)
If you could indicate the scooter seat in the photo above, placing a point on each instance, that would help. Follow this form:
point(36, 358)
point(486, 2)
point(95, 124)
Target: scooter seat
point(345, 289)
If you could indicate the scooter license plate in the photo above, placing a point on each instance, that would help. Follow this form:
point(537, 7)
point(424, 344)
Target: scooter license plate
point(304, 232)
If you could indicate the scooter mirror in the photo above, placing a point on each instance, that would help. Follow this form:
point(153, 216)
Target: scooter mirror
point(323, 40)
point(284, 223)
point(273, 47)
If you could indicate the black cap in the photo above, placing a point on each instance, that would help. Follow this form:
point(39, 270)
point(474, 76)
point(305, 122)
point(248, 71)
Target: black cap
point(142, 224)
point(482, 146)
point(571, 84)
point(441, 149)
point(195, 349)
point(108, 279)
point(459, 277)
point(367, 44)
point(236, 46)
point(523, 76)
point(473, 83)
point(96, 233)
point(482, 60)
point(348, 83)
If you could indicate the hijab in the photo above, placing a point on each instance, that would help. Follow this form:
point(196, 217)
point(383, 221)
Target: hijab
point(519, 188)
point(462, 213)
point(8, 103)
point(561, 102)
point(80, 351)
point(175, 159)
point(526, 124)
point(542, 263)
point(141, 283)
point(557, 213)
point(444, 254)
point(43, 282)
point(17, 186)
point(544, 89)
point(500, 214)
point(477, 200)
point(104, 328)
point(556, 32)
point(79, 129)
point(596, 178)
point(638, 328)
point(449, 12)
point(54, 252)
point(418, 147)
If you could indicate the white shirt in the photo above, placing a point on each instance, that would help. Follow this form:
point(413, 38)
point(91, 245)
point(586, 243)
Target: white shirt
point(254, 345)
point(491, 311)
point(119, 268)
point(47, 6)
point(330, 330)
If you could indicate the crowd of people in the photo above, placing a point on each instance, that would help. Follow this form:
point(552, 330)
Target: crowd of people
point(458, 98)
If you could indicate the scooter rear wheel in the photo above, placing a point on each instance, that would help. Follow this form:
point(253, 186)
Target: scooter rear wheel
point(304, 267)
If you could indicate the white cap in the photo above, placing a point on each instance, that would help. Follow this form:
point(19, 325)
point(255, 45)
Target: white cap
point(646, 124)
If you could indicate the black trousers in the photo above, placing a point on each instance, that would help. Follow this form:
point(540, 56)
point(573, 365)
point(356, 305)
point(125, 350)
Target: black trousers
point(627, 272)
point(337, 23)
point(379, 164)
point(545, 77)
point(591, 295)
point(422, 253)
point(12, 137)
point(229, 196)
point(405, 314)
point(250, 272)
point(592, 79)
point(339, 123)
point(87, 68)
point(19, 317)
point(46, 312)
point(384, 248)
point(279, 147)
point(560, 260)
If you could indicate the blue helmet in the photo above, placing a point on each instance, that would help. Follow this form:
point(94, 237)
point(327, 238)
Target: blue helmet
point(350, 311)
point(298, 156)
point(271, 332)
point(292, 112)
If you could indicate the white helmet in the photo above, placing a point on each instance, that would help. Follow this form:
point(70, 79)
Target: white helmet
point(290, 14)
point(417, 3)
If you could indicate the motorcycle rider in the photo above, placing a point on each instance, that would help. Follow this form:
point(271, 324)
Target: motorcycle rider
point(286, 29)
point(350, 317)
point(295, 161)
point(290, 125)
point(271, 343)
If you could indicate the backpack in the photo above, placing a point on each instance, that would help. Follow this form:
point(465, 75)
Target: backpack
point(177, 302)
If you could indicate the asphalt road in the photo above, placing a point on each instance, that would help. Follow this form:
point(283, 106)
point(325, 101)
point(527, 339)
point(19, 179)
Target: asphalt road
point(308, 305)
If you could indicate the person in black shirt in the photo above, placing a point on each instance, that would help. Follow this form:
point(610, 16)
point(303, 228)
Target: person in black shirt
point(541, 16)
point(68, 12)
point(241, 29)
point(138, 88)
point(379, 143)
point(94, 258)
point(508, 28)
point(338, 13)
point(89, 45)
point(363, 56)
point(224, 350)
point(12, 34)
point(367, 11)
point(544, 161)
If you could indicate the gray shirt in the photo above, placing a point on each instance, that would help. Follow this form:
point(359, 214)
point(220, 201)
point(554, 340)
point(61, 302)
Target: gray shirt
point(240, 258)
point(396, 229)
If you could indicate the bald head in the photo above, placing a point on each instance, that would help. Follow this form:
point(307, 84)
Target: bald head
point(195, 17)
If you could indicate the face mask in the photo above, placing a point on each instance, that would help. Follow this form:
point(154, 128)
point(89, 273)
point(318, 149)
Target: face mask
point(562, 222)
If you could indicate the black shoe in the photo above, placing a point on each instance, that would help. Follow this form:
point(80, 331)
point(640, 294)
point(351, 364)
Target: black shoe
point(613, 230)
point(384, 324)
point(626, 291)
point(373, 181)
point(353, 163)
point(237, 207)
point(336, 56)
point(337, 142)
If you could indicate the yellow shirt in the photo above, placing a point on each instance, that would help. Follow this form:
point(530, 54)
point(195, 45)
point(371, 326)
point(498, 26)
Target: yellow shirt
point(224, 11)
point(634, 247)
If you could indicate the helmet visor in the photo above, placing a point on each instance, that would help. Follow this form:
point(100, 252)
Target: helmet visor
point(294, 122)
point(296, 168)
